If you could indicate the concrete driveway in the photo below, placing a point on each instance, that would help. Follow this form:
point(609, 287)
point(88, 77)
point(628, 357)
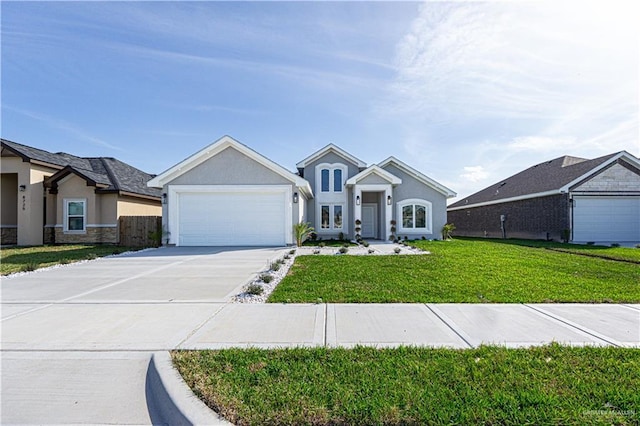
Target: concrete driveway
point(76, 340)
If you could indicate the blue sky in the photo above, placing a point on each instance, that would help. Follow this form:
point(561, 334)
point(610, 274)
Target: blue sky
point(466, 92)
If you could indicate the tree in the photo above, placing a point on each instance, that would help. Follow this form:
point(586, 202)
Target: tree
point(447, 230)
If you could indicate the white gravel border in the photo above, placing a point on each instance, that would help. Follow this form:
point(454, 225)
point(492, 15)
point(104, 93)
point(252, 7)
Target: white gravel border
point(72, 263)
point(385, 249)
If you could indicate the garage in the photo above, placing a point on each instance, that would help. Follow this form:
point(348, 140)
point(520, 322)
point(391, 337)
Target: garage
point(232, 218)
point(606, 219)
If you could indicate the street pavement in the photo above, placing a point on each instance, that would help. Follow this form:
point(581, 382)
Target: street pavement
point(77, 340)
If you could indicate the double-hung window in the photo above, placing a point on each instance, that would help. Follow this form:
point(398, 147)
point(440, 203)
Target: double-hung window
point(75, 215)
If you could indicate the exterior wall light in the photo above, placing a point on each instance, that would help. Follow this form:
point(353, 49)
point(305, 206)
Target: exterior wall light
point(22, 188)
point(295, 197)
point(357, 200)
point(164, 198)
point(388, 200)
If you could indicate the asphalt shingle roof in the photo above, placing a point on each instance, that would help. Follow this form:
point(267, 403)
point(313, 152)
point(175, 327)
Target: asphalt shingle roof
point(109, 171)
point(547, 176)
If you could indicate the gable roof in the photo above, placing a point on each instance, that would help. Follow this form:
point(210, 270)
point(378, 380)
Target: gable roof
point(417, 175)
point(547, 178)
point(392, 179)
point(219, 146)
point(105, 173)
point(331, 148)
point(31, 154)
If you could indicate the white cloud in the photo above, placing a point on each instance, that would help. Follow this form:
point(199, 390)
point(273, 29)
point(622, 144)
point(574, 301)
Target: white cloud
point(474, 173)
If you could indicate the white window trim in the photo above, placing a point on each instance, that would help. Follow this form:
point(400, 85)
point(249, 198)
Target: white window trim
point(331, 229)
point(413, 201)
point(331, 167)
point(66, 202)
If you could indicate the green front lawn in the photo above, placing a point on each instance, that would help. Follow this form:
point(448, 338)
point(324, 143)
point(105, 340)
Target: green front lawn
point(461, 271)
point(367, 386)
point(17, 259)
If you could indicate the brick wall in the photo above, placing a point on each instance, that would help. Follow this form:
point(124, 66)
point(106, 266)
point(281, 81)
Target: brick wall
point(8, 236)
point(529, 219)
point(92, 236)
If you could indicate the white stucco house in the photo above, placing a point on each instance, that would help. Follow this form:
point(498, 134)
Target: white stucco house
point(229, 195)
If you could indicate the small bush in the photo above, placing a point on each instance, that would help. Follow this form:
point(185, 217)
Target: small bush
point(343, 250)
point(64, 261)
point(280, 261)
point(316, 252)
point(406, 238)
point(345, 245)
point(341, 236)
point(366, 244)
point(255, 289)
point(266, 278)
point(322, 244)
point(638, 246)
point(371, 251)
point(91, 256)
point(286, 257)
point(274, 266)
point(116, 252)
point(292, 252)
point(615, 245)
point(424, 238)
point(28, 267)
point(397, 250)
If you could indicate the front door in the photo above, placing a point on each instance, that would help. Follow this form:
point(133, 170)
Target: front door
point(369, 221)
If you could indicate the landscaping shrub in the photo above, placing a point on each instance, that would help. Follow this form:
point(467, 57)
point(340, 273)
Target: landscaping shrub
point(366, 244)
point(292, 252)
point(343, 250)
point(371, 251)
point(275, 266)
point(266, 278)
point(255, 289)
point(322, 244)
point(397, 250)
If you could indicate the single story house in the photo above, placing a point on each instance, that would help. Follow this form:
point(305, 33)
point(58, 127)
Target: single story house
point(229, 195)
point(60, 198)
point(567, 198)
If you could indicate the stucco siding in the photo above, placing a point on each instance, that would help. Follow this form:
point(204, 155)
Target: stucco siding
point(129, 206)
point(310, 176)
point(230, 167)
point(411, 188)
point(373, 179)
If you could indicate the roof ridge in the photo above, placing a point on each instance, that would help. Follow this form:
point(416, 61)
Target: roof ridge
point(110, 174)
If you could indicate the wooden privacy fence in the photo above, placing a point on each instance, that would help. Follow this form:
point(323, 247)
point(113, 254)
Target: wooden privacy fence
point(140, 231)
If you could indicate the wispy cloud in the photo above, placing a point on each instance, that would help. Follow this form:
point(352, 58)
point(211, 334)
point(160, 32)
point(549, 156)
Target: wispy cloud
point(504, 85)
point(69, 128)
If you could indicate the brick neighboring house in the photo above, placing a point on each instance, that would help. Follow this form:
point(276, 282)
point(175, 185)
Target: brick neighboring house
point(571, 198)
point(60, 198)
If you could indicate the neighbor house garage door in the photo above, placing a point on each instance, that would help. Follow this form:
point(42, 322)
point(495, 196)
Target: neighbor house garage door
point(608, 219)
point(231, 219)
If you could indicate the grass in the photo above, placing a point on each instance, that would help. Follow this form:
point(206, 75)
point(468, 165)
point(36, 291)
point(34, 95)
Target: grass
point(17, 259)
point(368, 386)
point(628, 254)
point(461, 271)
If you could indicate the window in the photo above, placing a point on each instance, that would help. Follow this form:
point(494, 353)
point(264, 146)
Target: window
point(337, 180)
point(337, 217)
point(325, 217)
point(325, 180)
point(329, 221)
point(75, 215)
point(330, 177)
point(415, 215)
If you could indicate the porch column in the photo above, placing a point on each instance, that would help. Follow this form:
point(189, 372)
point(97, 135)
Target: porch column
point(357, 208)
point(388, 215)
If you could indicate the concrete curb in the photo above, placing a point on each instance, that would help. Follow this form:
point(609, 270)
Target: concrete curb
point(169, 399)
